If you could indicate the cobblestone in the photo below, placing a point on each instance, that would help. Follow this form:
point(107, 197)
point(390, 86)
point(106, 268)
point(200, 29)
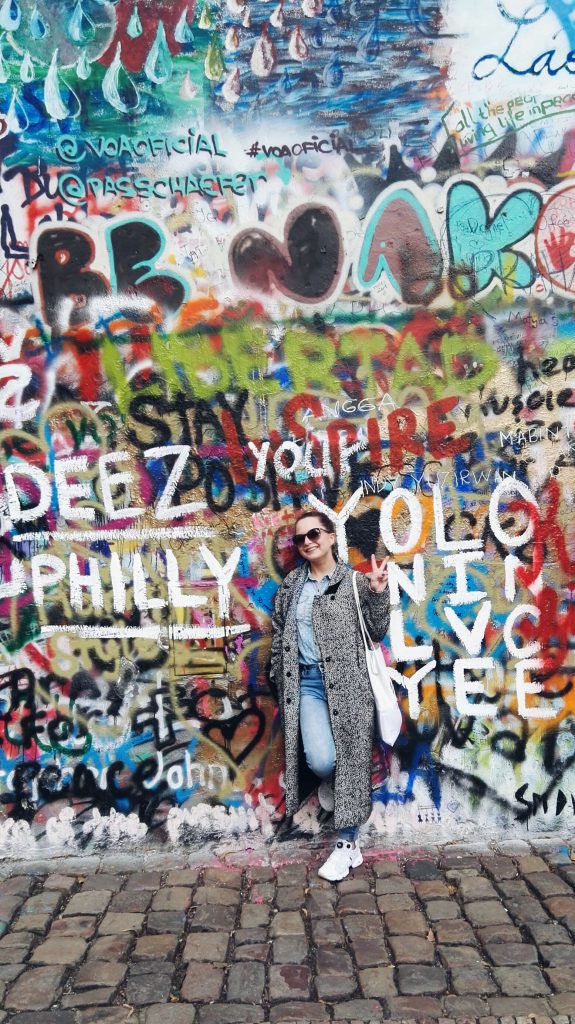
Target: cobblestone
point(115, 924)
point(288, 922)
point(94, 902)
point(521, 981)
point(409, 949)
point(59, 951)
point(206, 947)
point(289, 981)
point(453, 938)
point(421, 980)
point(289, 949)
point(377, 981)
point(145, 988)
point(155, 947)
point(36, 989)
point(246, 983)
point(202, 985)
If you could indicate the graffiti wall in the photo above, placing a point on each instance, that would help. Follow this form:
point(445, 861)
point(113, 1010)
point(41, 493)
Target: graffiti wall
point(257, 257)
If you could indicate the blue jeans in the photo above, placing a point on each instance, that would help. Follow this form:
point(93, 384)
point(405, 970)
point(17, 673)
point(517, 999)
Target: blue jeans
point(316, 734)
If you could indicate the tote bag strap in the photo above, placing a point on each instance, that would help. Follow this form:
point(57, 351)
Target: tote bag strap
point(366, 637)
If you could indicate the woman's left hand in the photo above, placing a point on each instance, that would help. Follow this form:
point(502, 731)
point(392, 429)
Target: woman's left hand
point(378, 575)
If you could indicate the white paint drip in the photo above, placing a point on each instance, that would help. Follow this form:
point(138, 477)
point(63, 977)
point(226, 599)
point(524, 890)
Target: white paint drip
point(112, 828)
point(173, 632)
point(160, 533)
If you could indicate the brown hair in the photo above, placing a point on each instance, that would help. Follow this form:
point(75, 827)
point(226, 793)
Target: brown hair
point(325, 522)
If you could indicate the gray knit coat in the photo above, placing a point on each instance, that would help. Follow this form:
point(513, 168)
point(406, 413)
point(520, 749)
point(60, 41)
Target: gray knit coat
point(349, 696)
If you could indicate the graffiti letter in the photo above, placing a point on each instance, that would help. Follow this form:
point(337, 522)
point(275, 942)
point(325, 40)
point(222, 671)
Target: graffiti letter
point(465, 686)
point(339, 519)
point(164, 508)
point(110, 480)
point(471, 639)
point(442, 543)
point(310, 358)
point(177, 599)
point(459, 562)
point(411, 684)
point(66, 285)
point(223, 574)
point(90, 581)
point(16, 585)
point(42, 580)
point(527, 650)
point(398, 579)
point(400, 242)
point(135, 246)
point(291, 448)
point(480, 245)
point(442, 444)
point(66, 491)
point(118, 583)
point(516, 486)
point(306, 265)
point(260, 458)
point(42, 482)
point(141, 600)
point(394, 546)
point(399, 648)
point(12, 409)
point(402, 425)
point(524, 687)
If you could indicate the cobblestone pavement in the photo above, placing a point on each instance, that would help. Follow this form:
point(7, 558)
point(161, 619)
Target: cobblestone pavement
point(438, 935)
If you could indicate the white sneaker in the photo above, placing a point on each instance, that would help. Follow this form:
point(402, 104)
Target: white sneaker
point(341, 859)
point(326, 796)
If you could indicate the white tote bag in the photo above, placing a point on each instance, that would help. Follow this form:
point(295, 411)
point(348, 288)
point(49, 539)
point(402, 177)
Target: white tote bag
point(388, 712)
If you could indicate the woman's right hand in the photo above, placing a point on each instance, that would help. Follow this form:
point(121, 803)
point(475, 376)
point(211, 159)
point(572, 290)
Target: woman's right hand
point(378, 575)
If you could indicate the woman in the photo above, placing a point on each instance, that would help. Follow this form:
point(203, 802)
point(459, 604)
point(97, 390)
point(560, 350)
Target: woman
point(319, 669)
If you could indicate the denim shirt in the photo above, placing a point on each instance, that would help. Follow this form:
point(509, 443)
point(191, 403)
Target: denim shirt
point(308, 651)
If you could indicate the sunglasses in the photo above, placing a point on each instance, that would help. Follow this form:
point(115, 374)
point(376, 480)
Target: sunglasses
point(313, 534)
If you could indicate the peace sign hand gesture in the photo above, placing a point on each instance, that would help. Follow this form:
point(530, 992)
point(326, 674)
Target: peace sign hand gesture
point(378, 575)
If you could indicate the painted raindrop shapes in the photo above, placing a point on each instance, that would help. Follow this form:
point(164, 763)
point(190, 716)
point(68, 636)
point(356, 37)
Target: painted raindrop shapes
point(134, 26)
point(232, 40)
point(183, 32)
point(231, 89)
point(312, 8)
point(214, 64)
point(368, 43)
point(298, 48)
point(206, 20)
point(118, 87)
point(16, 116)
point(188, 91)
point(277, 17)
point(81, 28)
point(4, 73)
point(10, 15)
point(54, 102)
point(158, 65)
point(332, 76)
point(83, 67)
point(263, 57)
point(38, 27)
point(27, 73)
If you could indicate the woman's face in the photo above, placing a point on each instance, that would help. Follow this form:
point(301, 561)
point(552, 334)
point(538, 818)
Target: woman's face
point(314, 550)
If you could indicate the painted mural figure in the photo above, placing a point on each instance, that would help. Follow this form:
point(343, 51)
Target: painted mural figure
point(318, 667)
